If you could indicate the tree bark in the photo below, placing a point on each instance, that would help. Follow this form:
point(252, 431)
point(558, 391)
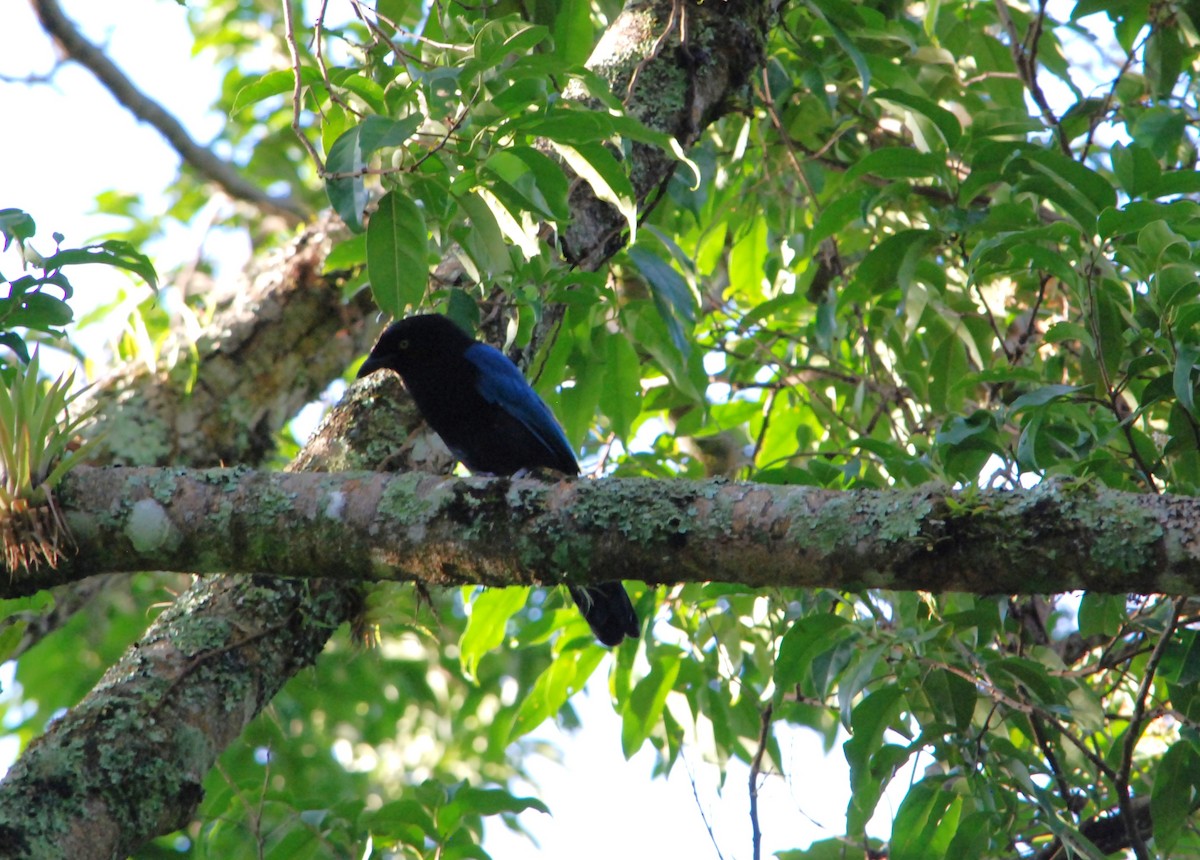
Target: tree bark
point(363, 527)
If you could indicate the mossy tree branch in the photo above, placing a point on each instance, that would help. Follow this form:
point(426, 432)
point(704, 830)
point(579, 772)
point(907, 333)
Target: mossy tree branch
point(361, 527)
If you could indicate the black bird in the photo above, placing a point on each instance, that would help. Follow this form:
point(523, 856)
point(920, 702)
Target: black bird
point(493, 422)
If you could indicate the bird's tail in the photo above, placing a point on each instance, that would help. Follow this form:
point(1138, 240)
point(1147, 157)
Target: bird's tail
point(607, 610)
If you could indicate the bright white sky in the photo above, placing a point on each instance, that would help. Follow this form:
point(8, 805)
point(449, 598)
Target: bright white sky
point(65, 142)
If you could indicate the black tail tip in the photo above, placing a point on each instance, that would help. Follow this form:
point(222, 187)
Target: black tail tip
point(608, 611)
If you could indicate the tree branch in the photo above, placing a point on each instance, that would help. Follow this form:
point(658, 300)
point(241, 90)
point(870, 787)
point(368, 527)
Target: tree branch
point(74, 45)
point(361, 527)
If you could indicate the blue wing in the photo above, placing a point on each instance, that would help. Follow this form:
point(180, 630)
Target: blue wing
point(501, 383)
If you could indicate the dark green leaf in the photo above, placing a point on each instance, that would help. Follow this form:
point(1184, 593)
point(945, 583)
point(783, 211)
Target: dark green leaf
point(898, 162)
point(272, 84)
point(397, 246)
point(1176, 794)
point(114, 252)
point(671, 294)
point(946, 122)
point(15, 224)
point(351, 154)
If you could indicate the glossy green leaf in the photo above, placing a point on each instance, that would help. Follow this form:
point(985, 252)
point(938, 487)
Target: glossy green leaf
point(671, 295)
point(397, 246)
point(487, 624)
point(647, 700)
point(596, 166)
point(1176, 794)
point(350, 156)
point(945, 121)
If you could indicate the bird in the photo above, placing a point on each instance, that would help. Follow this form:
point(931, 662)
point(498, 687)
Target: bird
point(494, 423)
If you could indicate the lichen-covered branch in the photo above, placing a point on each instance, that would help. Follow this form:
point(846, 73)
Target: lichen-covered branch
point(446, 531)
point(274, 343)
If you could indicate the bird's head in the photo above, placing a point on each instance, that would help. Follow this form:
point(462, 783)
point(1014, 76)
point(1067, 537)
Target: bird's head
point(408, 343)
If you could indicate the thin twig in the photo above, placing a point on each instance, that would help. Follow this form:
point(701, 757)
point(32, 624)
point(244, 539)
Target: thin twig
point(298, 87)
point(764, 737)
point(319, 52)
point(1133, 734)
point(1024, 54)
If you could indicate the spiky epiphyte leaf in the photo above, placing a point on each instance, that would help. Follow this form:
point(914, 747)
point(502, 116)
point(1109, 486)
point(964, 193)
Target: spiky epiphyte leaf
point(36, 450)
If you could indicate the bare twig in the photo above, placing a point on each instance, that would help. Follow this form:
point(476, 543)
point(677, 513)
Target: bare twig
point(764, 737)
point(1134, 733)
point(298, 87)
point(73, 44)
point(1024, 54)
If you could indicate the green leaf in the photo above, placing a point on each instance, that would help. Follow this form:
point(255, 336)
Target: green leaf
point(1175, 795)
point(946, 122)
point(1076, 189)
point(272, 84)
point(596, 166)
point(486, 625)
point(621, 397)
point(926, 822)
point(532, 179)
point(573, 35)
point(644, 708)
point(1185, 362)
point(872, 716)
point(890, 264)
point(397, 246)
point(846, 44)
point(1136, 169)
point(366, 89)
point(16, 343)
point(671, 293)
point(494, 801)
point(807, 637)
point(16, 224)
point(351, 154)
point(404, 819)
point(113, 252)
point(898, 162)
point(483, 240)
point(1041, 396)
point(1134, 216)
point(560, 680)
point(347, 254)
point(1174, 182)
point(1101, 614)
point(41, 311)
point(837, 215)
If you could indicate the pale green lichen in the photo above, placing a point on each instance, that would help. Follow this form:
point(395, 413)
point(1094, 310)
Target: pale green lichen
point(149, 528)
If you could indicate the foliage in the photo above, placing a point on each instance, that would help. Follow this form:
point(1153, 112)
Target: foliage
point(29, 305)
point(891, 270)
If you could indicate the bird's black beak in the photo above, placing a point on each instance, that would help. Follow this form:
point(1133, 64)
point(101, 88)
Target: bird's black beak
point(369, 366)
